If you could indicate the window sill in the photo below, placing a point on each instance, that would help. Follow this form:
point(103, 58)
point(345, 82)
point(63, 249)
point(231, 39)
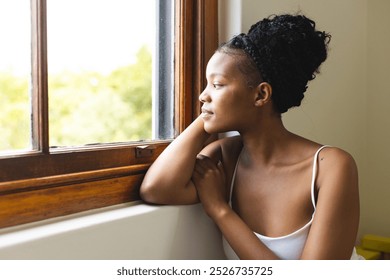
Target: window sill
point(128, 231)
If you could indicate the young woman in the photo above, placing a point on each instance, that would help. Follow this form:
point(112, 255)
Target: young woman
point(273, 194)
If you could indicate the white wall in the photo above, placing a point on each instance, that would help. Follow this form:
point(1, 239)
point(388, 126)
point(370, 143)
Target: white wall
point(376, 194)
point(229, 19)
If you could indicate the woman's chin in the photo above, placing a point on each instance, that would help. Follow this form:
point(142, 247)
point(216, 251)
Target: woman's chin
point(212, 129)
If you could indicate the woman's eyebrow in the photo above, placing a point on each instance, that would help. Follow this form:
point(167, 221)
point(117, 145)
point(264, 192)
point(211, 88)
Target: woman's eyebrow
point(216, 74)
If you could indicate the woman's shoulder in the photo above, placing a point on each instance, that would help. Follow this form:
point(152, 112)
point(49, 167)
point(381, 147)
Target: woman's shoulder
point(336, 157)
point(224, 149)
point(329, 155)
point(337, 168)
point(231, 146)
point(234, 141)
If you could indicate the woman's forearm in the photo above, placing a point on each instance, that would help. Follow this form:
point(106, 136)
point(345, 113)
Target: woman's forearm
point(240, 237)
point(170, 174)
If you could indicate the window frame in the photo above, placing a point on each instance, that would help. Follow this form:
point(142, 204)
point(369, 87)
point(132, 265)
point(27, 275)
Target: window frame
point(46, 183)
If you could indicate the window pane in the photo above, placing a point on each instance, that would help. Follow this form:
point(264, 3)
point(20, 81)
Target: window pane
point(101, 57)
point(15, 73)
point(163, 100)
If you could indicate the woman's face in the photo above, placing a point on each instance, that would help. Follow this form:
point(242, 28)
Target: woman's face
point(228, 100)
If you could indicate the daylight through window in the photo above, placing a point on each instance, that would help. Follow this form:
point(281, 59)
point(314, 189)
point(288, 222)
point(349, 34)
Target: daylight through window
point(15, 73)
point(109, 72)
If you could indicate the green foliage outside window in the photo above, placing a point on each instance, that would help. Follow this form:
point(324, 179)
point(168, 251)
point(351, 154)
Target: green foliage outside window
point(84, 108)
point(15, 112)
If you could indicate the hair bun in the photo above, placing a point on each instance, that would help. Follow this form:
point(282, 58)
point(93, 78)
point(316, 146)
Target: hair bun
point(289, 53)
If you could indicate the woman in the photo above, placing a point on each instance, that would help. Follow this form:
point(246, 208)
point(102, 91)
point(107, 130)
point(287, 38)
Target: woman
point(273, 194)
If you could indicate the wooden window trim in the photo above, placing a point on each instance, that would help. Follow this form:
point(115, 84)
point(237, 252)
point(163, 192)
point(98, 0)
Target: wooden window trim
point(44, 184)
point(198, 41)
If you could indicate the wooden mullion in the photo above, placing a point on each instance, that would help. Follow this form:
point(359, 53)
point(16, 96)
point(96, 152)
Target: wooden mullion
point(206, 42)
point(199, 60)
point(40, 115)
point(183, 63)
point(197, 31)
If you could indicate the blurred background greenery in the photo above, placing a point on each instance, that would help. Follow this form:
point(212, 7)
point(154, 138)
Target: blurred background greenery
point(84, 108)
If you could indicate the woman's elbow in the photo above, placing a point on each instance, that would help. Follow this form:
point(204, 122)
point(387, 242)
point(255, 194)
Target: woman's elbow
point(149, 192)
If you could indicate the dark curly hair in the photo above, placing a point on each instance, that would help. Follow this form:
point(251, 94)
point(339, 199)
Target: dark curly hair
point(287, 50)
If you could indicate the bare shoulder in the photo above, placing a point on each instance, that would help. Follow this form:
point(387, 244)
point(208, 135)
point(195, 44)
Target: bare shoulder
point(220, 148)
point(336, 158)
point(336, 167)
point(233, 142)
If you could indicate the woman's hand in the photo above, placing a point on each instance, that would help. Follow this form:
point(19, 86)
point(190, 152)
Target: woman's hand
point(210, 182)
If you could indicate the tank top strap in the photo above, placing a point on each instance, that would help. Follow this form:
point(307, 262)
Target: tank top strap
point(314, 175)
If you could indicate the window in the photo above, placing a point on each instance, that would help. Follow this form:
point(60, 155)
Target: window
point(100, 70)
point(105, 68)
point(15, 67)
point(58, 172)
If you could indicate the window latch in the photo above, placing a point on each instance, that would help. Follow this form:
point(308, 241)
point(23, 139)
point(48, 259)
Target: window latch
point(144, 151)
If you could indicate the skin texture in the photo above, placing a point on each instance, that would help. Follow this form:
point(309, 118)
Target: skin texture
point(272, 187)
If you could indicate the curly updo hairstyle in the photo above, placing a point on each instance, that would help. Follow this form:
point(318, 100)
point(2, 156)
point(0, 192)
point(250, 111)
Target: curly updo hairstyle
point(287, 50)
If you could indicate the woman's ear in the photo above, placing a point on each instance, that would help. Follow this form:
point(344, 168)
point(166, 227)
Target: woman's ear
point(263, 94)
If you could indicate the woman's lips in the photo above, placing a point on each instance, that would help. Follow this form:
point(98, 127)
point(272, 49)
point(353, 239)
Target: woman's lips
point(206, 113)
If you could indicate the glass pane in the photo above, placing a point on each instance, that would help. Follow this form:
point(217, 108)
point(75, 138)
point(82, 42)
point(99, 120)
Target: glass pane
point(100, 62)
point(163, 97)
point(15, 73)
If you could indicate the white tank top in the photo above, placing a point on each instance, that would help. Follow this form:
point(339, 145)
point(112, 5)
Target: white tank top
point(290, 246)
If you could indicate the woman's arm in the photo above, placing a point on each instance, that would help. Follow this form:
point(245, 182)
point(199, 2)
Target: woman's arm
point(210, 181)
point(168, 180)
point(335, 224)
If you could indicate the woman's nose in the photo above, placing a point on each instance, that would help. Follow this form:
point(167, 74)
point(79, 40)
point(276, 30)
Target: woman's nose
point(203, 97)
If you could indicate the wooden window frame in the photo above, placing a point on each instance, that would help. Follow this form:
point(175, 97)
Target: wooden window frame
point(44, 184)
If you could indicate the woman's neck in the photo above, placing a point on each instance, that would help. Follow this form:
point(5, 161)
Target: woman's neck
point(267, 142)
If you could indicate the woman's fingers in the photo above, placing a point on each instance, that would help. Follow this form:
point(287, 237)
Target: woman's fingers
point(205, 162)
point(205, 167)
point(220, 167)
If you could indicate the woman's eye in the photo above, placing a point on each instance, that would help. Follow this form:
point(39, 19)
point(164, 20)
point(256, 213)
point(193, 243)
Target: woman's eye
point(217, 86)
